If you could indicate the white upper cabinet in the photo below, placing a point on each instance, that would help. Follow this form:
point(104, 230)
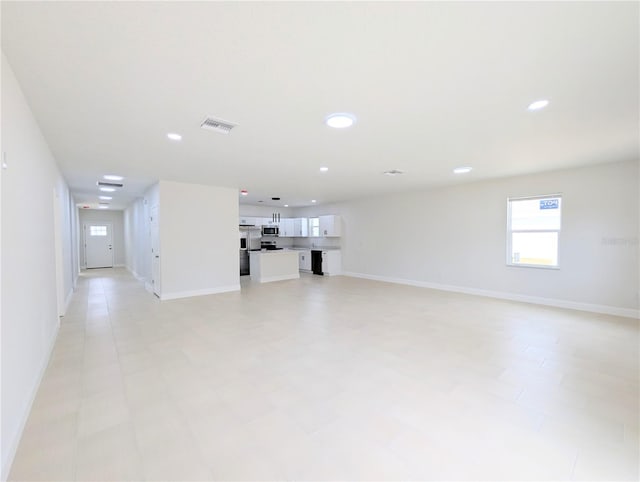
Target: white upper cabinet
point(294, 227)
point(287, 227)
point(273, 220)
point(330, 225)
point(300, 227)
point(250, 221)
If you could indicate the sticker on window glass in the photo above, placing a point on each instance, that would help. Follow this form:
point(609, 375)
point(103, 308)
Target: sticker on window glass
point(549, 204)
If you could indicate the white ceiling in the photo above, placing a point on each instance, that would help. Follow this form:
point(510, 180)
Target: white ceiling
point(433, 86)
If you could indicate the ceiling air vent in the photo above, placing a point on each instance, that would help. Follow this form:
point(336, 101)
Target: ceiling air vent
point(109, 184)
point(218, 125)
point(393, 172)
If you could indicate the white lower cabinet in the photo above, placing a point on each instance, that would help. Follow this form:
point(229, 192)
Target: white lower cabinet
point(304, 260)
point(331, 262)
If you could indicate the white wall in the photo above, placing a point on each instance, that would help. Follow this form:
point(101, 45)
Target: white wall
point(136, 238)
point(198, 239)
point(31, 184)
point(116, 218)
point(454, 238)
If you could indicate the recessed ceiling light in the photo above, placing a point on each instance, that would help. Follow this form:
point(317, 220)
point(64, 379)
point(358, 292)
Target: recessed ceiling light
point(103, 207)
point(244, 192)
point(106, 198)
point(174, 137)
point(107, 189)
point(340, 120)
point(113, 177)
point(313, 200)
point(324, 169)
point(286, 205)
point(538, 104)
point(462, 170)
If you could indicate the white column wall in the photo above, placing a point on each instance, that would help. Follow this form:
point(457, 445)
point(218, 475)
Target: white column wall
point(198, 239)
point(137, 247)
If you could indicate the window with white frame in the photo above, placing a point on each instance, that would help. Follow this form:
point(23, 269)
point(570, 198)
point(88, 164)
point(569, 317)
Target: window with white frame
point(533, 231)
point(314, 225)
point(97, 230)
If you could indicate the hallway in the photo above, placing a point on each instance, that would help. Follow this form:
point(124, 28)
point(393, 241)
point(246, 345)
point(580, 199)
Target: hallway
point(330, 378)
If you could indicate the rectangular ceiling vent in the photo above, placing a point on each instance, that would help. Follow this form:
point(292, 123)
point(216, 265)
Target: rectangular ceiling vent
point(109, 184)
point(218, 125)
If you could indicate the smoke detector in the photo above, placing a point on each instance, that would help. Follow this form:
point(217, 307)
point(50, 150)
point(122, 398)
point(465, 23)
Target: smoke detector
point(218, 125)
point(393, 172)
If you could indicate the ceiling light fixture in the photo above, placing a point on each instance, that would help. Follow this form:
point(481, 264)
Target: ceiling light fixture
point(107, 189)
point(244, 192)
point(462, 170)
point(340, 120)
point(103, 207)
point(324, 169)
point(313, 200)
point(538, 104)
point(286, 205)
point(174, 137)
point(106, 198)
point(112, 177)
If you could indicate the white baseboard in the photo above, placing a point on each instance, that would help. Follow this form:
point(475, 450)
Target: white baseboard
point(120, 266)
point(148, 286)
point(67, 302)
point(134, 274)
point(572, 305)
point(14, 440)
point(269, 279)
point(208, 291)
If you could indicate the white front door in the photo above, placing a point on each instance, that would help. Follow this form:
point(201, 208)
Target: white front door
point(155, 250)
point(98, 247)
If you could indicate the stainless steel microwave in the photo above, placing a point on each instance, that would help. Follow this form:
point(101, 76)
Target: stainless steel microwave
point(270, 231)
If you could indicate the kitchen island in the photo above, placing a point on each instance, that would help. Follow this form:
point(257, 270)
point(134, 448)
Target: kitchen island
point(273, 265)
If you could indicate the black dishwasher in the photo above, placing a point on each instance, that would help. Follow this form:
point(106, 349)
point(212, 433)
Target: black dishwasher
point(316, 262)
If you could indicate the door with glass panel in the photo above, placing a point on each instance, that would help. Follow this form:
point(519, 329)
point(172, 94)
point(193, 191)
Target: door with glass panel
point(98, 245)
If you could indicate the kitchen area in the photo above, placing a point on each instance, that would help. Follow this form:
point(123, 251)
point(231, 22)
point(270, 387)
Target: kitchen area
point(276, 248)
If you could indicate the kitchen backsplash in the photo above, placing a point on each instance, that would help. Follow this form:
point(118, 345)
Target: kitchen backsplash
point(316, 242)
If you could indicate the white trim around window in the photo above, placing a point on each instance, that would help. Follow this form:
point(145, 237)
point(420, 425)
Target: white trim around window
point(533, 231)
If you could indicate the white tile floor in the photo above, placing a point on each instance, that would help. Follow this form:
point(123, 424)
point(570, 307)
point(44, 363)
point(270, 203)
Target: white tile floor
point(331, 378)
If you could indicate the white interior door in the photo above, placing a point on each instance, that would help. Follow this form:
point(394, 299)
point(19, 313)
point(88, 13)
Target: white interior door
point(98, 245)
point(155, 250)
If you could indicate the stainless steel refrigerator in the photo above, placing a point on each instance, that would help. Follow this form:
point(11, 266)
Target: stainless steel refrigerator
point(249, 240)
